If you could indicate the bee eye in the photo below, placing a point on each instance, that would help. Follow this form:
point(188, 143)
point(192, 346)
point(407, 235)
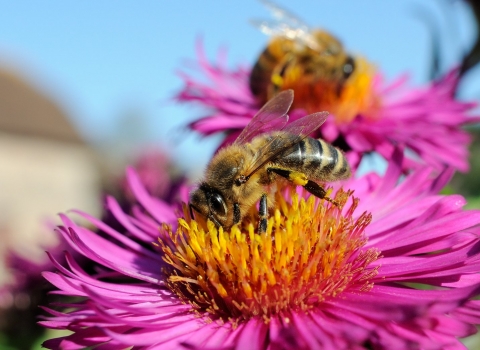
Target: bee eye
point(217, 204)
point(348, 67)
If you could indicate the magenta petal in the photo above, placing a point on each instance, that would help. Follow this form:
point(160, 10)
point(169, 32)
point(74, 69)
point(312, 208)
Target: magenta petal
point(252, 335)
point(117, 259)
point(116, 235)
point(78, 340)
point(218, 123)
point(144, 337)
point(158, 209)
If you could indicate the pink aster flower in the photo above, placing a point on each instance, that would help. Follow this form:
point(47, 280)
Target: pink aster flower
point(321, 276)
point(368, 116)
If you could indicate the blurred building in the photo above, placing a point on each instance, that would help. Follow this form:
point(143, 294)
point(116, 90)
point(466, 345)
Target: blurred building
point(45, 167)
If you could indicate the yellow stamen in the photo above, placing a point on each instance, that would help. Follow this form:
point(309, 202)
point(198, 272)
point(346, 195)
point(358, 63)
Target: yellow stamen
point(311, 251)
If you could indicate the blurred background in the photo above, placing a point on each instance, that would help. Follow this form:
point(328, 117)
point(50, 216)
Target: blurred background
point(84, 86)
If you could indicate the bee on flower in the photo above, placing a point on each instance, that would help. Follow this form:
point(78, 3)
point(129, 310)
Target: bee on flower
point(331, 271)
point(266, 152)
point(366, 113)
point(315, 65)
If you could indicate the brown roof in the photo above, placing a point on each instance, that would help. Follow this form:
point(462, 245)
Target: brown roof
point(27, 111)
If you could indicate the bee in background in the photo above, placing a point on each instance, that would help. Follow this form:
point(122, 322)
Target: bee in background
point(311, 62)
point(268, 150)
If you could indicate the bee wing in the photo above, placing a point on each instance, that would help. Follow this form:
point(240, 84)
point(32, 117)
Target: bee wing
point(306, 125)
point(286, 24)
point(284, 16)
point(272, 116)
point(296, 131)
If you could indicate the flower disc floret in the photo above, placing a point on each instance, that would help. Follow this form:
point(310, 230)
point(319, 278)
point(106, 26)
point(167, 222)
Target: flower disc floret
point(311, 251)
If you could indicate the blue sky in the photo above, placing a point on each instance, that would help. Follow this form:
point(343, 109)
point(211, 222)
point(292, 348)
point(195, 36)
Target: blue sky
point(104, 60)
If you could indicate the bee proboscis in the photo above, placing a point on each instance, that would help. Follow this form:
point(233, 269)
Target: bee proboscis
point(267, 151)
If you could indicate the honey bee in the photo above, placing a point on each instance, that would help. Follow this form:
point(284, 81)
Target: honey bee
point(311, 62)
point(267, 151)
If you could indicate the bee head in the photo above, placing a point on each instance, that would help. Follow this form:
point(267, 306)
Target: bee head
point(209, 202)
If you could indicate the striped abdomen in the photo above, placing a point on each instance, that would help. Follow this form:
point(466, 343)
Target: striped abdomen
point(317, 159)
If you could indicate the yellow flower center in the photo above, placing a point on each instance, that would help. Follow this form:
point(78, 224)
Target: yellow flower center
point(311, 251)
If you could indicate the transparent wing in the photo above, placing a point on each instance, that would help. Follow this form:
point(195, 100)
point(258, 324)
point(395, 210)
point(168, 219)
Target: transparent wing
point(292, 134)
point(306, 125)
point(286, 24)
point(283, 15)
point(272, 116)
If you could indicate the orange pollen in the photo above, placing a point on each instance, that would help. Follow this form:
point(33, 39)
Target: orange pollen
point(344, 101)
point(311, 252)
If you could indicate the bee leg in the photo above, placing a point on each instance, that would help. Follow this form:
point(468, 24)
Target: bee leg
point(236, 213)
point(318, 191)
point(263, 211)
point(301, 179)
point(277, 78)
